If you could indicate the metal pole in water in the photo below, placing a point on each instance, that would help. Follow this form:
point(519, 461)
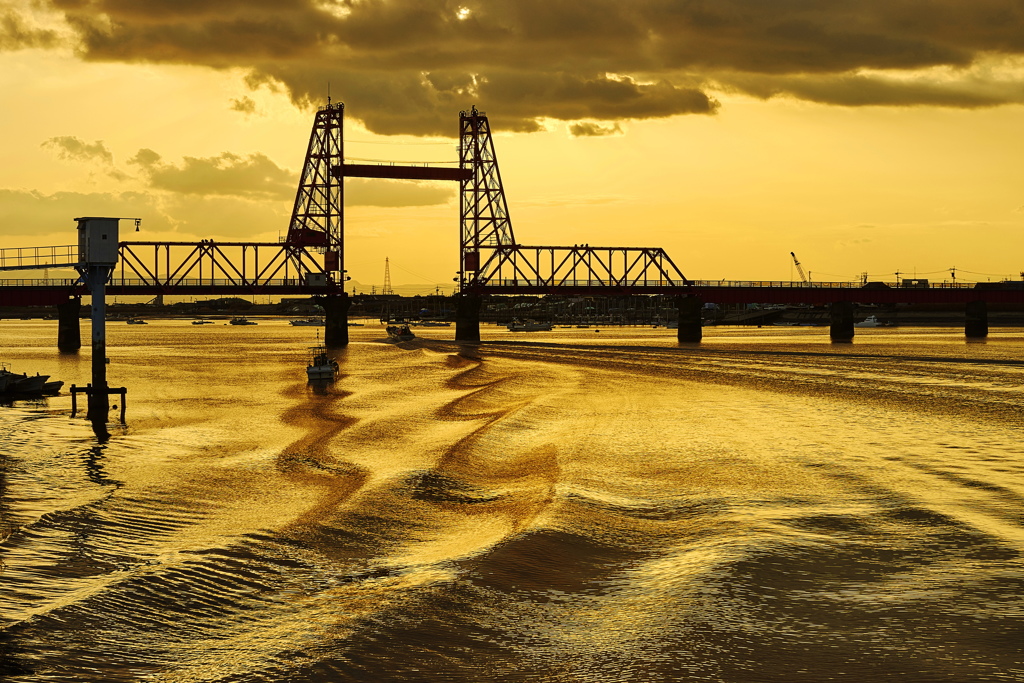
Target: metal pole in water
point(99, 403)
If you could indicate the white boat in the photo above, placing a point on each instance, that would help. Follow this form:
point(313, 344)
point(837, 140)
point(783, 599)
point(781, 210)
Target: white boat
point(309, 322)
point(137, 321)
point(241, 321)
point(529, 326)
point(321, 366)
point(872, 321)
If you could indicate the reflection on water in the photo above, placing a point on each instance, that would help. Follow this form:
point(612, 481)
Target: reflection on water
point(565, 506)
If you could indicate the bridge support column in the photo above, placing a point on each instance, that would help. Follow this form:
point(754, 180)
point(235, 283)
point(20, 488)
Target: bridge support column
point(467, 317)
point(336, 319)
point(841, 327)
point(690, 330)
point(976, 320)
point(69, 326)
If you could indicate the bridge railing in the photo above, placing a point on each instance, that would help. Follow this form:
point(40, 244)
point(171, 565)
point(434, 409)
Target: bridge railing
point(149, 285)
point(23, 258)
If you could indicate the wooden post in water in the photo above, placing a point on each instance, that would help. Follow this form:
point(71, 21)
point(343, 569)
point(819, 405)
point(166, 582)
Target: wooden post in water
point(976, 320)
point(69, 326)
point(335, 319)
point(690, 330)
point(841, 327)
point(467, 317)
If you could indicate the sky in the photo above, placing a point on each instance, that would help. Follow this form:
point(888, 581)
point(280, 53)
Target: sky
point(865, 136)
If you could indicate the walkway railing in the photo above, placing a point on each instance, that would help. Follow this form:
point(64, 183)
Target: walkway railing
point(24, 258)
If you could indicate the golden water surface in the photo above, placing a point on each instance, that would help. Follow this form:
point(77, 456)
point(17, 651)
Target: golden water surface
point(575, 505)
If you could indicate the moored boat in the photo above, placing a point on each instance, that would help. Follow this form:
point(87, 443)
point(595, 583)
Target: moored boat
point(202, 322)
point(15, 383)
point(241, 321)
point(308, 322)
point(529, 326)
point(136, 321)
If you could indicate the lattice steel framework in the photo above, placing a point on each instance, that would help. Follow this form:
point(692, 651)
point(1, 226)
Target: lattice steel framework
point(254, 267)
point(491, 261)
point(317, 218)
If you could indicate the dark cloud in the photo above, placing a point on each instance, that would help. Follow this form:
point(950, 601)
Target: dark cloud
point(589, 129)
point(70, 148)
point(17, 34)
point(405, 66)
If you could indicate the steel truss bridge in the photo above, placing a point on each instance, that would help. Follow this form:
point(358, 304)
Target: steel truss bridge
point(310, 260)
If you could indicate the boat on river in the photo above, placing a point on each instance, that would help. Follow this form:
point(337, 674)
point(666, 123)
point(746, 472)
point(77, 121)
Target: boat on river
point(241, 321)
point(400, 332)
point(136, 321)
point(202, 322)
point(321, 366)
point(15, 383)
point(529, 326)
point(872, 321)
point(308, 322)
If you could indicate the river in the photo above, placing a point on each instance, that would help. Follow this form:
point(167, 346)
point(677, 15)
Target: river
point(568, 506)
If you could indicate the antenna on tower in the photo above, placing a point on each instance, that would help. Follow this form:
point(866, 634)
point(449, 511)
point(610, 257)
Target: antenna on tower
point(328, 93)
point(387, 278)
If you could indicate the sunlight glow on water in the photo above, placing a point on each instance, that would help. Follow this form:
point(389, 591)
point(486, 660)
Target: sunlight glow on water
point(564, 506)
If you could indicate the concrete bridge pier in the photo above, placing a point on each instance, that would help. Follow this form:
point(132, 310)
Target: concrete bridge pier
point(976, 320)
point(467, 317)
point(690, 330)
point(69, 326)
point(335, 319)
point(841, 327)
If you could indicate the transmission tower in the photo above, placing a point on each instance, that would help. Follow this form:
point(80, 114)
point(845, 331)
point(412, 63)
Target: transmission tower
point(387, 278)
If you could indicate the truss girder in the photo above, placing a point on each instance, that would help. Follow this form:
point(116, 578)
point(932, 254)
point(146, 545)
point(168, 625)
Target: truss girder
point(577, 266)
point(240, 265)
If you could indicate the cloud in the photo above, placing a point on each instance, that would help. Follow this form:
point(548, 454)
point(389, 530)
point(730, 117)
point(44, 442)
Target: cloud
point(589, 129)
point(70, 148)
point(246, 105)
point(254, 175)
point(257, 177)
point(405, 66)
point(16, 33)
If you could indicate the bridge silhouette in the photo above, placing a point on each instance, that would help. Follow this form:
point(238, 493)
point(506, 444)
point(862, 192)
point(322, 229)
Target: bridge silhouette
point(310, 260)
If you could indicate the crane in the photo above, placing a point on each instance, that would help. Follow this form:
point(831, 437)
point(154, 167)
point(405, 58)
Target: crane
point(799, 268)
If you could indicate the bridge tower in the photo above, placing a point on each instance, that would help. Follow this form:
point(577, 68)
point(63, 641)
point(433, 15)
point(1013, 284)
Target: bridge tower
point(318, 215)
point(483, 209)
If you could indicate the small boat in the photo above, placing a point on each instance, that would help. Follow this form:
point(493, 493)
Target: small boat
point(136, 321)
point(432, 323)
point(321, 366)
point(308, 322)
point(52, 388)
point(873, 321)
point(529, 326)
point(400, 332)
point(241, 321)
point(202, 322)
point(23, 384)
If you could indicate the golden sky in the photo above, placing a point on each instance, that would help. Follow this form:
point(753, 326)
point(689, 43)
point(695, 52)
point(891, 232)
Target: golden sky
point(864, 135)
